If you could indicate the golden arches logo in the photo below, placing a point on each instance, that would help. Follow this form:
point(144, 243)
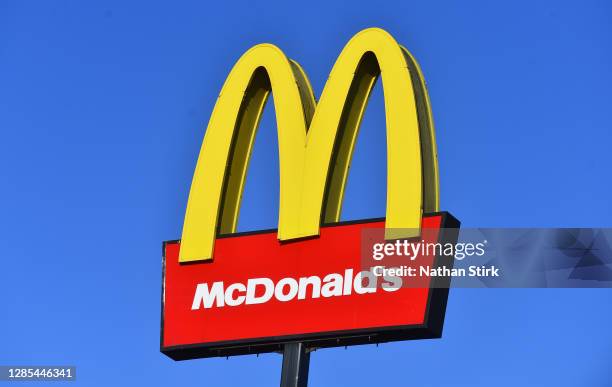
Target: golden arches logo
point(316, 141)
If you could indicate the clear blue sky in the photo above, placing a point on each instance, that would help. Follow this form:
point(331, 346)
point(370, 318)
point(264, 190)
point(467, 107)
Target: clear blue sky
point(103, 107)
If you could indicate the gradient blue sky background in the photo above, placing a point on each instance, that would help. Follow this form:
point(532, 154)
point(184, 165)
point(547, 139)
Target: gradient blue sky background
point(103, 107)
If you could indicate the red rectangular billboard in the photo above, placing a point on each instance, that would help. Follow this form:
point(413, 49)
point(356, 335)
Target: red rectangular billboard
point(258, 293)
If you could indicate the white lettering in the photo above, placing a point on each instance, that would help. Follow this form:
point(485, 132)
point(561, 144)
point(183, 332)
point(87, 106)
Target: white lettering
point(207, 297)
point(262, 290)
point(252, 284)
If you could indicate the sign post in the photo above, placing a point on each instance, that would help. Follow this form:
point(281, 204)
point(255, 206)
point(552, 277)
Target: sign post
point(296, 360)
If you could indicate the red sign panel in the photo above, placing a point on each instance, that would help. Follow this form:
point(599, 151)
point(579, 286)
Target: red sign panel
point(258, 293)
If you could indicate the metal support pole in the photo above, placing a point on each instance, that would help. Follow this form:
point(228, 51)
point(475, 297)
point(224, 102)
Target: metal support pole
point(296, 361)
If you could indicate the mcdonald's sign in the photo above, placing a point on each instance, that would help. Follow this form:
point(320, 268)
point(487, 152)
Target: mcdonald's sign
point(227, 293)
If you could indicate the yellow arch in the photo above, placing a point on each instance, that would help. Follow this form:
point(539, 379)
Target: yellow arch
point(315, 145)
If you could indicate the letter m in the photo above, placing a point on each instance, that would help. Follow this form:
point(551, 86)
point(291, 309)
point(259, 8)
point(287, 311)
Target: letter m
point(315, 141)
point(207, 297)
